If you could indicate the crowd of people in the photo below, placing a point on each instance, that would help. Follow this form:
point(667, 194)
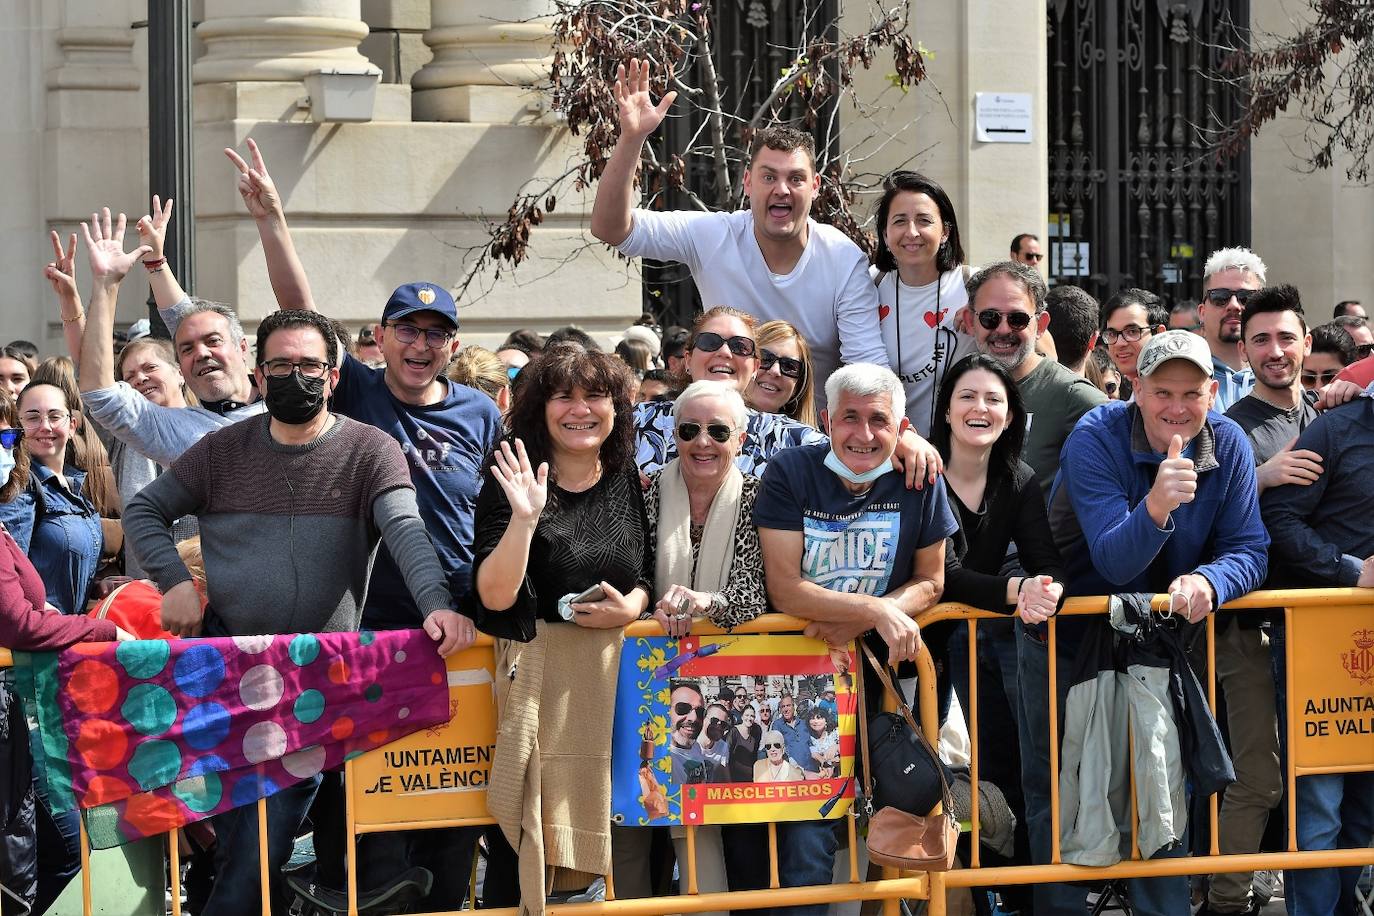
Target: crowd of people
point(845, 441)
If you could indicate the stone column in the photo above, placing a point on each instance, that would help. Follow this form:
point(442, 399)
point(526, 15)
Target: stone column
point(487, 55)
point(278, 40)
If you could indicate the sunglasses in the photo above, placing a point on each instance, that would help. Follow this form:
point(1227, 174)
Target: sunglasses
point(1110, 388)
point(9, 438)
point(991, 319)
point(1364, 351)
point(687, 709)
point(1221, 295)
point(1319, 379)
point(710, 342)
point(792, 368)
point(512, 372)
point(1036, 258)
point(688, 432)
point(772, 745)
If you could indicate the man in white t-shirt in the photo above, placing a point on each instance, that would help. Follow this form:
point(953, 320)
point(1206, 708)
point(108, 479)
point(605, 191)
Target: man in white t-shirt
point(772, 260)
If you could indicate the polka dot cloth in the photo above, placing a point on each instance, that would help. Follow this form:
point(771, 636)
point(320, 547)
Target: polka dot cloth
point(147, 735)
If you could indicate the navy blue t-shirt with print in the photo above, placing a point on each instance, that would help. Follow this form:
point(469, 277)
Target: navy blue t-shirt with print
point(864, 544)
point(445, 445)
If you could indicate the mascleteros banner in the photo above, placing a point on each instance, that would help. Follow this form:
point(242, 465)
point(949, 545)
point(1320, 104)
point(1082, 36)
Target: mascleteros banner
point(732, 730)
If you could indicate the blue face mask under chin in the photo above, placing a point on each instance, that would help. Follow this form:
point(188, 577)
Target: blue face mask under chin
point(833, 462)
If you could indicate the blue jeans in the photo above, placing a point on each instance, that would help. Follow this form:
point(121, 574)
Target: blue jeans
point(238, 889)
point(58, 838)
point(1148, 897)
point(1335, 811)
point(806, 857)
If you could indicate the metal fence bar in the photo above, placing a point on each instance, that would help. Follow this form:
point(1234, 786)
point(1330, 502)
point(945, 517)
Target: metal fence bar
point(1213, 801)
point(975, 857)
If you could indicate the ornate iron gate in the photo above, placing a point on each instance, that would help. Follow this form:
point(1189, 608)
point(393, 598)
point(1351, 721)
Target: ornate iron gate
point(753, 42)
point(1135, 198)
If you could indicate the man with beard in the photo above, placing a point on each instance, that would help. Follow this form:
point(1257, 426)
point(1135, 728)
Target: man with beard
point(314, 493)
point(1274, 340)
point(1007, 305)
point(210, 346)
point(771, 258)
point(686, 718)
point(1229, 278)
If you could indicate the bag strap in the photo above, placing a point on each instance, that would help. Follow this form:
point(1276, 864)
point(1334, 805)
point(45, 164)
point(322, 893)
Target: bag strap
point(861, 713)
point(885, 677)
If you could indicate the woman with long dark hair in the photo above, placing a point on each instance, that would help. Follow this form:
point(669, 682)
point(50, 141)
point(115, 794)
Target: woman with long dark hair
point(920, 273)
point(980, 428)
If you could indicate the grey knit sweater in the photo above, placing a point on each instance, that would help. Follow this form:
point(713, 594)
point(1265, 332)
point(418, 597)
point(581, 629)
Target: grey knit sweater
point(288, 533)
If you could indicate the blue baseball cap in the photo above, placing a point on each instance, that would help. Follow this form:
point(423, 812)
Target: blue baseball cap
point(420, 297)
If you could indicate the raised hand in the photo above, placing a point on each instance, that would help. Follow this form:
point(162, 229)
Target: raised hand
point(152, 228)
point(105, 247)
point(1175, 483)
point(527, 491)
point(1301, 466)
point(639, 116)
point(61, 271)
point(255, 185)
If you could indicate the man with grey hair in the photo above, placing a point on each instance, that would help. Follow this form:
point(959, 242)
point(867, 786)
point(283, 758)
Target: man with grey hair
point(1007, 305)
point(211, 350)
point(1229, 278)
point(848, 547)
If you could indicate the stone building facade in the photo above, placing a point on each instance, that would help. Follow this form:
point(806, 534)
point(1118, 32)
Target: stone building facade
point(456, 131)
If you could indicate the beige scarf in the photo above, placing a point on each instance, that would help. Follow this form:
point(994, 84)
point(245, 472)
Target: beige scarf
point(550, 784)
point(673, 563)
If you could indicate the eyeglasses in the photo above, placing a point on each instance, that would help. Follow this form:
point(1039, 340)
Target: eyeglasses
point(434, 337)
point(9, 438)
point(772, 746)
point(710, 342)
point(687, 709)
point(741, 696)
point(281, 368)
point(1132, 333)
point(1363, 351)
point(1319, 379)
point(688, 432)
point(1110, 387)
point(1221, 295)
point(991, 319)
point(53, 418)
point(792, 368)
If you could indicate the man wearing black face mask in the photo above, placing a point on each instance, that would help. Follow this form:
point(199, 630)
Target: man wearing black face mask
point(313, 493)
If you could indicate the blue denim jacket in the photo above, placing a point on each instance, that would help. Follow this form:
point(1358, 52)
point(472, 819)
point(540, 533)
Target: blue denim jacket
point(65, 548)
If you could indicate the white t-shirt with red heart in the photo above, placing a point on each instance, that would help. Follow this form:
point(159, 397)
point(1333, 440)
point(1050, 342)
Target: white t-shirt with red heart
point(917, 325)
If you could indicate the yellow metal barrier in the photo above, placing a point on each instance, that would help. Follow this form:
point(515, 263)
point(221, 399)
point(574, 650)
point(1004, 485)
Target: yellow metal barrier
point(894, 886)
point(1293, 602)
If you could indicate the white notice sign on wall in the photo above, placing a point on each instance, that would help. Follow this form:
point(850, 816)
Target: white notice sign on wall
point(1002, 117)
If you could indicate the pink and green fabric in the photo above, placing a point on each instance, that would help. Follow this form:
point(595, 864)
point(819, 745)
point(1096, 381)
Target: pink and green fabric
point(149, 735)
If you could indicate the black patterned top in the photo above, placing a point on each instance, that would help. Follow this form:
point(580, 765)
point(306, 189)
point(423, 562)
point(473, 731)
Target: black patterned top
point(745, 597)
point(581, 539)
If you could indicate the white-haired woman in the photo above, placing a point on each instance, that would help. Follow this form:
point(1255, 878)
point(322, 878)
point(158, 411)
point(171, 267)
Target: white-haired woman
point(706, 556)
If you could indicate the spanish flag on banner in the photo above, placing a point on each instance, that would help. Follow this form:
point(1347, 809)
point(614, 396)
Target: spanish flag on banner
point(732, 730)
